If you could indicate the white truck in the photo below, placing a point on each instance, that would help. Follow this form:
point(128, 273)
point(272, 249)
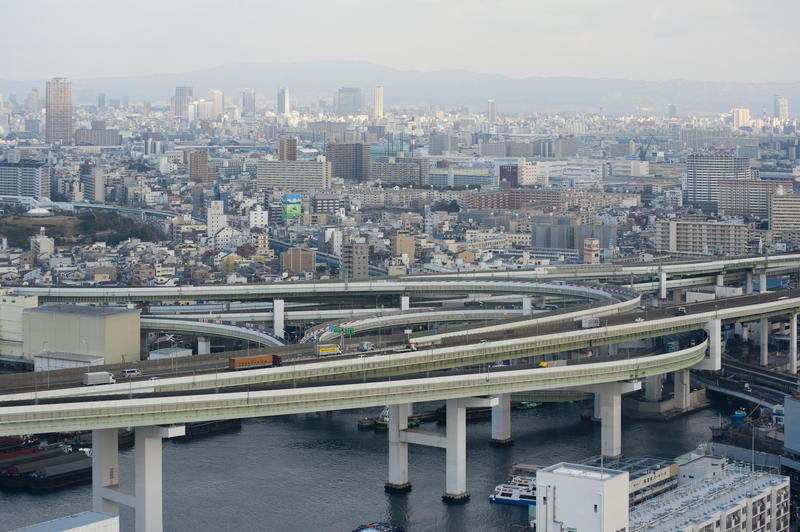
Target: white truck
point(98, 377)
point(590, 323)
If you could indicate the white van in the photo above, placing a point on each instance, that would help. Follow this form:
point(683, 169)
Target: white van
point(131, 373)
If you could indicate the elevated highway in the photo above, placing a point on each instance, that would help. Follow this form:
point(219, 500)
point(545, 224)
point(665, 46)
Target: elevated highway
point(209, 329)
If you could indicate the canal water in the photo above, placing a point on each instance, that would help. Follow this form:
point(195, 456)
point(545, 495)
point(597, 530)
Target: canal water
point(318, 472)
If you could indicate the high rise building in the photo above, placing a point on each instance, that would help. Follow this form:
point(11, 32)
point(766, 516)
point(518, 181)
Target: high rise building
point(180, 102)
point(97, 136)
point(349, 160)
point(377, 102)
point(248, 103)
point(198, 166)
point(781, 108)
point(283, 101)
point(293, 175)
point(33, 105)
point(101, 101)
point(215, 218)
point(491, 112)
point(58, 123)
point(741, 117)
point(784, 216)
point(25, 178)
point(703, 173)
point(355, 260)
point(215, 97)
point(349, 101)
point(93, 180)
point(287, 148)
point(701, 237)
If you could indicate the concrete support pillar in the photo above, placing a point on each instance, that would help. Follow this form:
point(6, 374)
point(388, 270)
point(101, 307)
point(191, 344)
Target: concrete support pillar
point(405, 302)
point(720, 279)
point(613, 350)
point(748, 284)
point(398, 451)
point(745, 332)
point(501, 422)
point(203, 345)
point(762, 283)
point(456, 483)
point(278, 318)
point(652, 388)
point(764, 342)
point(677, 296)
point(713, 360)
point(662, 285)
point(793, 344)
point(105, 469)
point(596, 409)
point(526, 306)
point(682, 388)
point(611, 423)
point(149, 512)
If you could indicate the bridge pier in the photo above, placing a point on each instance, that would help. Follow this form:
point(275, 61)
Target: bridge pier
point(793, 344)
point(608, 404)
point(405, 303)
point(764, 341)
point(720, 279)
point(682, 387)
point(526, 306)
point(652, 388)
point(147, 497)
point(662, 285)
point(278, 318)
point(762, 283)
point(456, 482)
point(501, 422)
point(713, 361)
point(398, 451)
point(748, 285)
point(203, 345)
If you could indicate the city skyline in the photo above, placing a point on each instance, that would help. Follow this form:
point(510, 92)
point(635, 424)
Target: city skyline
point(658, 42)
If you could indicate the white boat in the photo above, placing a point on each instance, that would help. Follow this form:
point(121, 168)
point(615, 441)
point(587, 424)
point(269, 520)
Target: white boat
point(517, 490)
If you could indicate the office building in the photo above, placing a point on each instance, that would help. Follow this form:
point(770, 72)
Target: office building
point(180, 102)
point(259, 217)
point(355, 260)
point(377, 102)
point(349, 101)
point(581, 497)
point(101, 101)
point(349, 160)
point(198, 166)
point(402, 243)
point(287, 148)
point(491, 112)
point(781, 110)
point(327, 203)
point(704, 171)
point(216, 218)
point(399, 170)
point(248, 103)
point(217, 103)
point(58, 120)
point(296, 260)
point(92, 178)
point(97, 136)
point(12, 307)
point(283, 101)
point(712, 238)
point(25, 178)
point(784, 216)
point(441, 143)
point(741, 117)
point(293, 175)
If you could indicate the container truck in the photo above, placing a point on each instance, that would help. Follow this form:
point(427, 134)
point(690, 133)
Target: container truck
point(590, 323)
point(325, 350)
point(552, 363)
point(366, 346)
point(98, 377)
point(253, 362)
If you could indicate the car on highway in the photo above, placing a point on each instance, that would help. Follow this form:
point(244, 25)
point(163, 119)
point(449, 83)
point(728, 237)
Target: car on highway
point(638, 320)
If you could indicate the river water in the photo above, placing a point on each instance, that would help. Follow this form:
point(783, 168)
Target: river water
point(318, 472)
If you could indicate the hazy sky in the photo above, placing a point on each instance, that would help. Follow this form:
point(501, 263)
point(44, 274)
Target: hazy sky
point(725, 40)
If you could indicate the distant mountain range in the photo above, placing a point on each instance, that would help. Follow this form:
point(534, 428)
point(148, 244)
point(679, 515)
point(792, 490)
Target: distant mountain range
point(313, 81)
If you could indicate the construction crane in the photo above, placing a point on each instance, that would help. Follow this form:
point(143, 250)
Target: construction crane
point(643, 151)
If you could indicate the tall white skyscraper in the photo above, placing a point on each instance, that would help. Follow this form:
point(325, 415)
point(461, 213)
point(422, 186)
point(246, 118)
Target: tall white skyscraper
point(741, 117)
point(283, 101)
point(782, 108)
point(215, 218)
point(491, 113)
point(215, 97)
point(377, 102)
point(180, 102)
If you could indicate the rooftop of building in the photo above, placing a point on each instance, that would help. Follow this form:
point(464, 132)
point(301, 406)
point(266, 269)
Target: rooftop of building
point(697, 501)
point(582, 471)
point(82, 310)
point(636, 467)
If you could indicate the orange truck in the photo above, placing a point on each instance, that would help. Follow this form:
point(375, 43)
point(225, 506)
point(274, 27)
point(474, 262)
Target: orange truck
point(253, 362)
